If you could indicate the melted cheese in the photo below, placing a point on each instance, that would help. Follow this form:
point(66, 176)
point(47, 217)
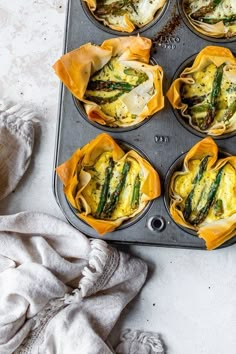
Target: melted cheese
point(92, 192)
point(122, 109)
point(226, 191)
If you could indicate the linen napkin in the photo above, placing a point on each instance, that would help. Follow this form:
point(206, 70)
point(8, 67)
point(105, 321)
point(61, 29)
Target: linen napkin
point(60, 291)
point(16, 144)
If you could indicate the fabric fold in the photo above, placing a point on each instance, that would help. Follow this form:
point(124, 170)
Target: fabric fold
point(141, 342)
point(59, 290)
point(17, 130)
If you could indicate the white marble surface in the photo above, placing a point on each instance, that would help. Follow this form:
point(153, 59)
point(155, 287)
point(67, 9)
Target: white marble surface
point(190, 296)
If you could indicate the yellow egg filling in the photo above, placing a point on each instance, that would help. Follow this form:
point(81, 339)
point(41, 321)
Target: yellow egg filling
point(94, 191)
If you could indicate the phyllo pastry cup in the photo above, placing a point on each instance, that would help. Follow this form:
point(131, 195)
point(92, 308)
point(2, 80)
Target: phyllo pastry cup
point(203, 194)
point(205, 93)
point(125, 16)
point(107, 185)
point(115, 82)
point(212, 18)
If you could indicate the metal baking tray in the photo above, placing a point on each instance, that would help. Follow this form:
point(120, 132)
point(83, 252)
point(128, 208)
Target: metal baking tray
point(162, 139)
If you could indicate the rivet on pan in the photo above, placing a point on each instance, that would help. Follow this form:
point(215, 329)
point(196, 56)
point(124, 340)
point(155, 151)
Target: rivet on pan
point(156, 223)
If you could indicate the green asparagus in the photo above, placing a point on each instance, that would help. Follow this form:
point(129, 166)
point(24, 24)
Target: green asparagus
point(230, 112)
point(218, 207)
point(192, 101)
point(111, 9)
point(109, 85)
point(199, 108)
point(141, 76)
point(216, 86)
point(136, 193)
point(213, 21)
point(205, 9)
point(105, 187)
point(103, 100)
point(188, 202)
point(111, 204)
point(210, 199)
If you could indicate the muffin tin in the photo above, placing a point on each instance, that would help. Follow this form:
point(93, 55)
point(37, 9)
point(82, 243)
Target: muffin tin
point(162, 139)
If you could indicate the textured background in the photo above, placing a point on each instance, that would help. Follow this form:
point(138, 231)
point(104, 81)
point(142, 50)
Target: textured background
point(190, 296)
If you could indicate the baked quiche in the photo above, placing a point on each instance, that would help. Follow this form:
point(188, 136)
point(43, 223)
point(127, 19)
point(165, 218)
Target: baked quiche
point(125, 15)
point(107, 185)
point(203, 194)
point(205, 93)
point(214, 18)
point(115, 82)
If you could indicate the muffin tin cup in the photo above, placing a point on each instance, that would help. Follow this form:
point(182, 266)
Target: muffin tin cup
point(220, 40)
point(184, 120)
point(178, 166)
point(161, 137)
point(80, 107)
point(113, 32)
point(131, 221)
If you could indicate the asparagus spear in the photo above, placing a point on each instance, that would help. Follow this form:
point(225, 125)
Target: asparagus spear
point(130, 71)
point(136, 193)
point(211, 196)
point(110, 206)
point(199, 108)
point(188, 202)
point(216, 85)
point(103, 100)
point(213, 21)
point(218, 207)
point(205, 9)
point(111, 9)
point(105, 187)
point(192, 101)
point(140, 75)
point(230, 112)
point(109, 85)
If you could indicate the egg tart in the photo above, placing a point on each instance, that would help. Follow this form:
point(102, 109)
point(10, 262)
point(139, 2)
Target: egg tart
point(115, 82)
point(124, 15)
point(203, 194)
point(213, 18)
point(205, 92)
point(106, 185)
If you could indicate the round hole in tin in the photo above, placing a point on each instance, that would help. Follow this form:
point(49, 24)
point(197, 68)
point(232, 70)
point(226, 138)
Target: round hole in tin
point(80, 107)
point(180, 4)
point(177, 166)
point(129, 222)
point(184, 120)
point(156, 223)
point(102, 27)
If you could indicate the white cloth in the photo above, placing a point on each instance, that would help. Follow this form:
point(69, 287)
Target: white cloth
point(139, 342)
point(41, 260)
point(16, 144)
